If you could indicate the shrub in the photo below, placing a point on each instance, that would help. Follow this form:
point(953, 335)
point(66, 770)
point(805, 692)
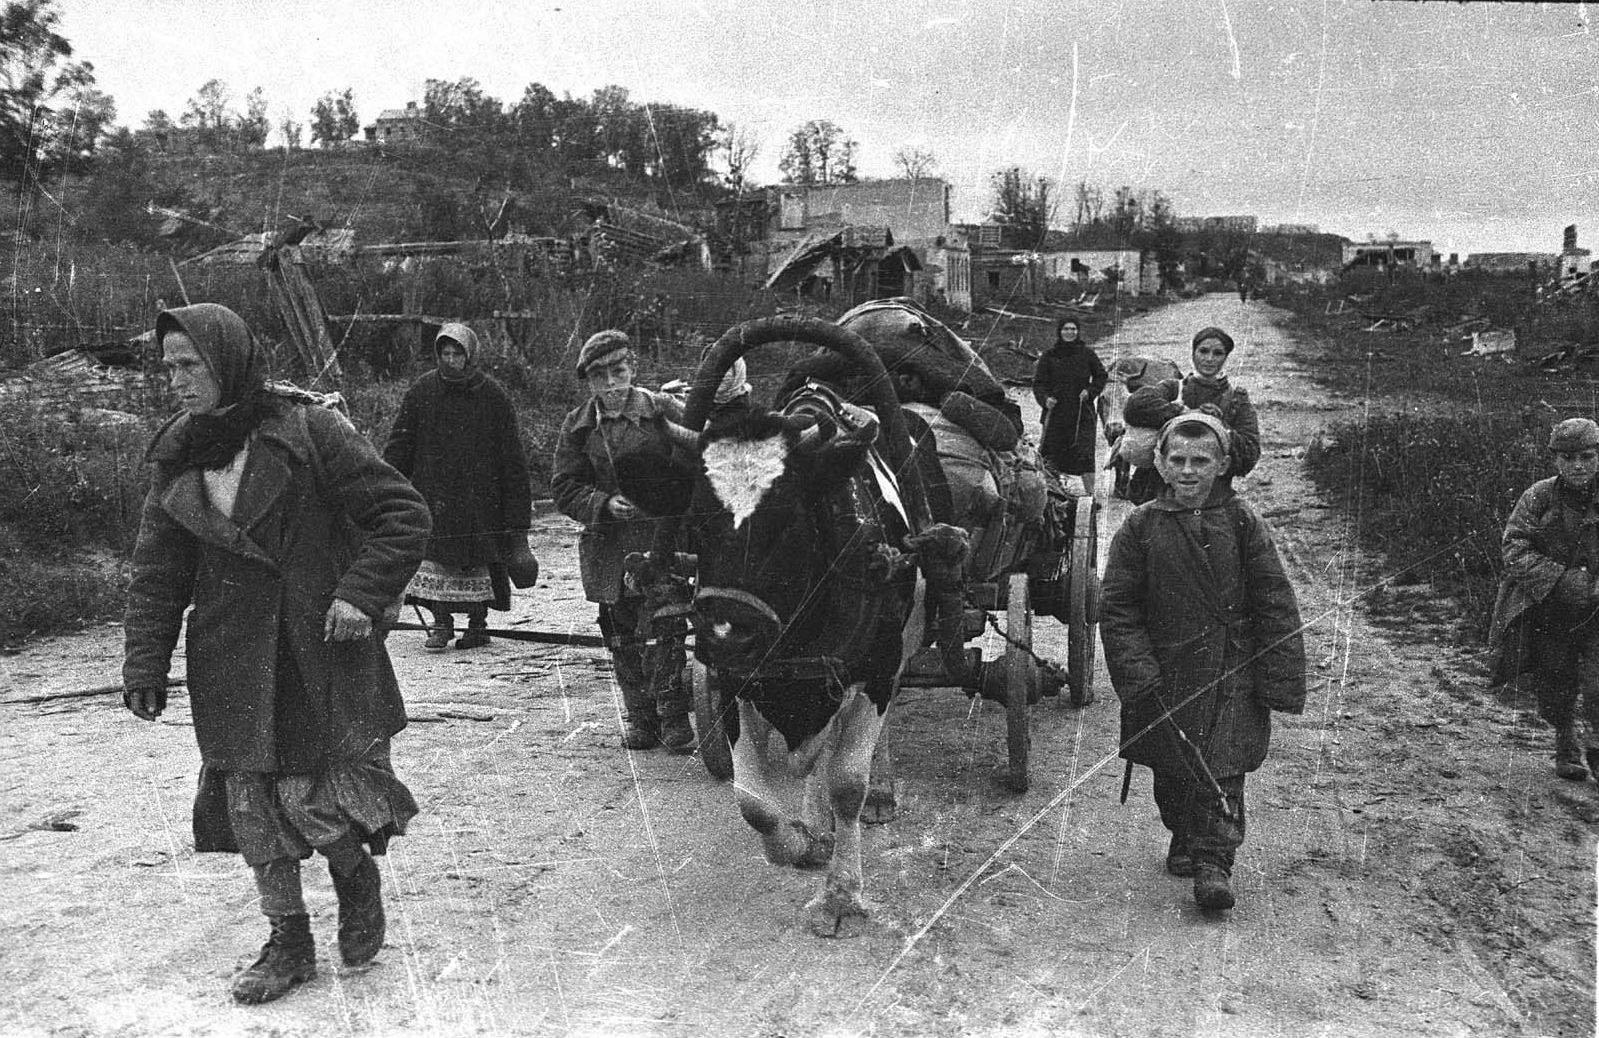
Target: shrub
point(1430, 494)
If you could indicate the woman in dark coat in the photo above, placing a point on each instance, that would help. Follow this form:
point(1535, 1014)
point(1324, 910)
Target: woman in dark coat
point(1066, 381)
point(290, 537)
point(457, 439)
point(1198, 618)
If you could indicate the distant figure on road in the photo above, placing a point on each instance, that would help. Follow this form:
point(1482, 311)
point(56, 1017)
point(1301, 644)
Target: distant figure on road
point(1546, 616)
point(615, 473)
point(1202, 636)
point(1206, 388)
point(457, 439)
point(1066, 380)
point(291, 538)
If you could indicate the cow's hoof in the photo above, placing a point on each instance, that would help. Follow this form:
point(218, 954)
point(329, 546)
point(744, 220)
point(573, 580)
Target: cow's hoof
point(880, 807)
point(817, 848)
point(836, 915)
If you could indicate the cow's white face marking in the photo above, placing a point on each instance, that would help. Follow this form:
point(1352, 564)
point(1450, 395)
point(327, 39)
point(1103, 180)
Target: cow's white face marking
point(742, 471)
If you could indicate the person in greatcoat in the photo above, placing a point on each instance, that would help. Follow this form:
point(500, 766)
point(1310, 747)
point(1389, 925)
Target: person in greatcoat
point(1546, 614)
point(290, 538)
point(1202, 637)
point(1067, 379)
point(457, 439)
point(616, 473)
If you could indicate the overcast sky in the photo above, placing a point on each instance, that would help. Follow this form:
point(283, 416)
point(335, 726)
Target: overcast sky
point(1474, 125)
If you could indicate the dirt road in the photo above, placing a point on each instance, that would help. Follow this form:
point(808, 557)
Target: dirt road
point(1412, 866)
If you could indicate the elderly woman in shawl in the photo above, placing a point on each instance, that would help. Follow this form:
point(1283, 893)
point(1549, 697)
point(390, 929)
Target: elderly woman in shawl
point(457, 439)
point(290, 538)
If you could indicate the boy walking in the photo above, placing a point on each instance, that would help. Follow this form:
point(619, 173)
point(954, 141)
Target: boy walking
point(1544, 616)
point(1202, 636)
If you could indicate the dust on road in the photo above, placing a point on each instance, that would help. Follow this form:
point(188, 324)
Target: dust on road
point(1412, 868)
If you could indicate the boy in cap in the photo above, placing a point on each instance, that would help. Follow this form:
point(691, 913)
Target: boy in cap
point(1544, 615)
point(1202, 636)
point(616, 473)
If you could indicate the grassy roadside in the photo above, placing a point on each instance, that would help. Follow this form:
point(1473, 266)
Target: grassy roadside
point(1452, 440)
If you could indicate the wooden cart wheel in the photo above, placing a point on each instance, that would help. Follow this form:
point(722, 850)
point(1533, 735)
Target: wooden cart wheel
point(715, 751)
point(1020, 675)
point(1083, 603)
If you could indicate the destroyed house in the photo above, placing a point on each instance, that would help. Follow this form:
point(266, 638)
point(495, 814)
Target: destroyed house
point(1417, 255)
point(925, 253)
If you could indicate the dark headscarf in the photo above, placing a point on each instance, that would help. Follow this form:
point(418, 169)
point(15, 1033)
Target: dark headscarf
point(1064, 321)
point(211, 440)
point(1217, 334)
point(465, 338)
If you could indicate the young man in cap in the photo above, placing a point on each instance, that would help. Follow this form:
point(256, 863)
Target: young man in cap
point(617, 474)
point(1202, 636)
point(1544, 616)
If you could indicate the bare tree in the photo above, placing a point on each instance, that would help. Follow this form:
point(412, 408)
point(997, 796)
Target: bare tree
point(1090, 205)
point(740, 148)
point(1024, 206)
point(915, 161)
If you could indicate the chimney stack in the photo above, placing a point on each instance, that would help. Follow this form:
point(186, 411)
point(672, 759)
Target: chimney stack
point(1571, 239)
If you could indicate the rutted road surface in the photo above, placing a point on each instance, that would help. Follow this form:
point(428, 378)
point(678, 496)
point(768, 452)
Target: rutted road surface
point(1411, 868)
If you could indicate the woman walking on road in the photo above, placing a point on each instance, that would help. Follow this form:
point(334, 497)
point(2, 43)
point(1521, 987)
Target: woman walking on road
point(615, 473)
point(291, 538)
point(1067, 379)
point(1206, 388)
point(456, 438)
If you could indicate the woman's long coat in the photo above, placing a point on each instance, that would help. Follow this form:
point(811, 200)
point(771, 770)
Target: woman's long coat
point(459, 443)
point(1195, 606)
point(319, 515)
point(598, 457)
point(1549, 532)
point(1064, 371)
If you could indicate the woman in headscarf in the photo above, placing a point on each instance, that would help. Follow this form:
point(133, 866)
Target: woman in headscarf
point(291, 538)
point(1066, 381)
point(1205, 389)
point(457, 439)
point(616, 474)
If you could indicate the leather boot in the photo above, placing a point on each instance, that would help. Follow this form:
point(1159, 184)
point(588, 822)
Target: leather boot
point(440, 633)
point(640, 731)
point(361, 922)
point(677, 734)
point(1568, 754)
point(1211, 889)
point(287, 959)
point(1178, 861)
point(477, 622)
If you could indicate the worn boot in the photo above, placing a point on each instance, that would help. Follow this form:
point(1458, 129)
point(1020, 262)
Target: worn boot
point(641, 731)
point(677, 734)
point(361, 922)
point(476, 636)
point(1568, 754)
point(440, 633)
point(1179, 862)
point(1211, 889)
point(287, 959)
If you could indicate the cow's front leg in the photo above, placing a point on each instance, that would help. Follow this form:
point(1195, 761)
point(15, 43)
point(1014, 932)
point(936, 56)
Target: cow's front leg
point(785, 840)
point(836, 910)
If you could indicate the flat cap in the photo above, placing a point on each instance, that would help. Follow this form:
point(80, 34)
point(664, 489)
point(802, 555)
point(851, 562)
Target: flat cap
point(1574, 434)
point(601, 344)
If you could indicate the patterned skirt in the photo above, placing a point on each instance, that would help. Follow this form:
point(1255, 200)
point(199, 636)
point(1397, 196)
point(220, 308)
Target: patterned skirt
point(436, 583)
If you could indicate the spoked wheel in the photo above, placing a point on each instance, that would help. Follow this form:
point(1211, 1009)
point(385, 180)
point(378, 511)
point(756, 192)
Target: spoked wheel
point(1020, 674)
point(715, 751)
point(1083, 603)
